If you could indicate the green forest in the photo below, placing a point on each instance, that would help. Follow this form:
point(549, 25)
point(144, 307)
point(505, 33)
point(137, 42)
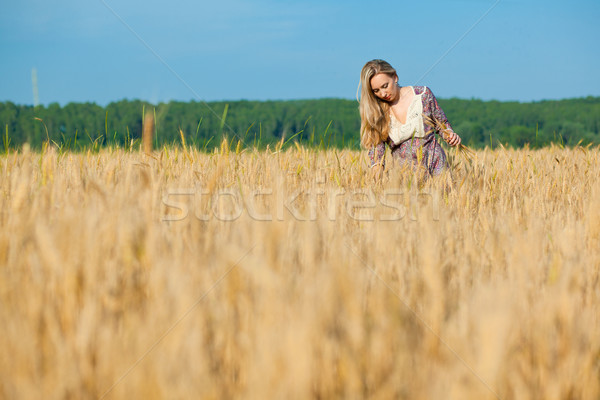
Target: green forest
point(322, 122)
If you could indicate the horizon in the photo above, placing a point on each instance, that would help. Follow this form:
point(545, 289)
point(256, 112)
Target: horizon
point(285, 100)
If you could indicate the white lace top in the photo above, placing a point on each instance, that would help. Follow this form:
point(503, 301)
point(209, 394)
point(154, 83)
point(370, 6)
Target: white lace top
point(400, 132)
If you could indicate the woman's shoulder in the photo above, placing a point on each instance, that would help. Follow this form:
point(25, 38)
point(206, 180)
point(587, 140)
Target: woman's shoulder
point(421, 89)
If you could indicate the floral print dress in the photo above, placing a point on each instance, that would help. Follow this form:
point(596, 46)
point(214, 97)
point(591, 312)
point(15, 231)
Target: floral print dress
point(420, 147)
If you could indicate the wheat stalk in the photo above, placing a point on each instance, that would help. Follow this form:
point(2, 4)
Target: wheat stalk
point(444, 129)
point(148, 133)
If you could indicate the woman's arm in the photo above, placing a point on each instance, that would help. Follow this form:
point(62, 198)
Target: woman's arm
point(434, 111)
point(377, 158)
point(377, 155)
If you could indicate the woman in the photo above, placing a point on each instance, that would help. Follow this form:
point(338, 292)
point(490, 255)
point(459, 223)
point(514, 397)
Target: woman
point(403, 117)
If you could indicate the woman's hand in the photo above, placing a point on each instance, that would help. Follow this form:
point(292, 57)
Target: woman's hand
point(377, 171)
point(453, 139)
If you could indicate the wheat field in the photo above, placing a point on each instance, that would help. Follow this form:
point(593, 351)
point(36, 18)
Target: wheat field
point(290, 274)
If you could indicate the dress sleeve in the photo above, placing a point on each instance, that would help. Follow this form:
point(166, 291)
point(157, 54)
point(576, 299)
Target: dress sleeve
point(377, 154)
point(432, 109)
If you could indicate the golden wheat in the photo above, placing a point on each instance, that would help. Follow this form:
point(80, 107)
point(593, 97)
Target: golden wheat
point(290, 274)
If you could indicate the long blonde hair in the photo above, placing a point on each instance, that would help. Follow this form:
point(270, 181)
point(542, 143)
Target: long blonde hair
point(374, 113)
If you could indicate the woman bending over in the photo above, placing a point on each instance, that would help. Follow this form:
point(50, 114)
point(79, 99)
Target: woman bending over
point(404, 118)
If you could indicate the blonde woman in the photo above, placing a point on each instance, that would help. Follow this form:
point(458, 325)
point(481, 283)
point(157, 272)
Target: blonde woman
point(397, 116)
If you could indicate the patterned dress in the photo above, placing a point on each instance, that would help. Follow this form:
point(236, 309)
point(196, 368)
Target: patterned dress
point(414, 143)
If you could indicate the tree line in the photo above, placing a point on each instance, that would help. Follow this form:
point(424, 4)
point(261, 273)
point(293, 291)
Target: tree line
point(321, 122)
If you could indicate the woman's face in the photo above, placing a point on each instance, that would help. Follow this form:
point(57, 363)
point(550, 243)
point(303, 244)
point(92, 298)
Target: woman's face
point(385, 87)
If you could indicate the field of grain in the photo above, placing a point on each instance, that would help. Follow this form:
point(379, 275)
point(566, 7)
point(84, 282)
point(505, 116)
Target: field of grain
point(262, 274)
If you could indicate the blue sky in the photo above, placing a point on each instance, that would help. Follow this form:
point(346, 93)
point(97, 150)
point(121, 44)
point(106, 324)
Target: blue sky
point(525, 50)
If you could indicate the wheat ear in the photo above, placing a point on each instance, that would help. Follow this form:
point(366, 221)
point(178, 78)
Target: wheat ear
point(466, 153)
